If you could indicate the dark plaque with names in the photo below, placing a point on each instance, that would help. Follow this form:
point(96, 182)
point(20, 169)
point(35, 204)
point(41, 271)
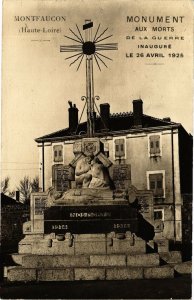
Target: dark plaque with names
point(90, 219)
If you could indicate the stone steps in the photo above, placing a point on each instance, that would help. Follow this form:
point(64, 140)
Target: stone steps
point(91, 257)
point(87, 267)
point(172, 258)
point(100, 260)
point(19, 273)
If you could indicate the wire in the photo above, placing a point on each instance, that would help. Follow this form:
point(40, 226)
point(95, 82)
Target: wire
point(80, 117)
point(16, 162)
point(20, 169)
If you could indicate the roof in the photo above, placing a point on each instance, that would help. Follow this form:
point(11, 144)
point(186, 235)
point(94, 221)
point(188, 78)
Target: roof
point(6, 200)
point(118, 122)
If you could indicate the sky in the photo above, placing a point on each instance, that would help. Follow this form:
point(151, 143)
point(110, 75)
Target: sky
point(37, 81)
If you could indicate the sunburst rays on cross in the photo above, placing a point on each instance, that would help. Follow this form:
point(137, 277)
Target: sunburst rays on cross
point(89, 46)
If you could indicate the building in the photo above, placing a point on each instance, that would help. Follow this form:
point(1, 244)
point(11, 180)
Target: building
point(158, 151)
point(13, 215)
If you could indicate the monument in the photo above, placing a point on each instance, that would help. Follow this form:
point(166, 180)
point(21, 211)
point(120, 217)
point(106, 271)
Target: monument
point(101, 226)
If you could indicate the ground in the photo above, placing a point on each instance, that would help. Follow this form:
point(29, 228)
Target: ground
point(177, 288)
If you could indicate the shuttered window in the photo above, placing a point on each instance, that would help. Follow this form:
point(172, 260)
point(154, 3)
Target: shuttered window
point(58, 153)
point(156, 184)
point(154, 141)
point(119, 147)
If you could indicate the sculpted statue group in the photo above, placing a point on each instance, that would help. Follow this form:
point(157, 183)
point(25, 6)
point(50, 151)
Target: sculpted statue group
point(91, 178)
point(90, 173)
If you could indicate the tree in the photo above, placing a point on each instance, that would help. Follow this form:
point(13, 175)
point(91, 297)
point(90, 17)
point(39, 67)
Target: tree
point(35, 184)
point(11, 194)
point(25, 188)
point(28, 186)
point(5, 185)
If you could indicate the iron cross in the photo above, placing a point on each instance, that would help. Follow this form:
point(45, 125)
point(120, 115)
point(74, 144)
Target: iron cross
point(90, 48)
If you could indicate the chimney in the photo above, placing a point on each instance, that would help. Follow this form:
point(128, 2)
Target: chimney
point(73, 117)
point(137, 112)
point(167, 119)
point(17, 193)
point(105, 115)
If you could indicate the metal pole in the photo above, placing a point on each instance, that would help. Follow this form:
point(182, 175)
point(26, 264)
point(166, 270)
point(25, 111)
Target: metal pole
point(43, 187)
point(173, 183)
point(89, 87)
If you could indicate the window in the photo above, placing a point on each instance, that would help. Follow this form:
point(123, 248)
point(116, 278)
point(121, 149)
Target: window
point(154, 145)
point(159, 220)
point(58, 153)
point(156, 184)
point(106, 148)
point(159, 214)
point(119, 148)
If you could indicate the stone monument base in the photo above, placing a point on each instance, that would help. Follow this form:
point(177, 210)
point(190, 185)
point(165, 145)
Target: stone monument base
point(91, 238)
point(89, 257)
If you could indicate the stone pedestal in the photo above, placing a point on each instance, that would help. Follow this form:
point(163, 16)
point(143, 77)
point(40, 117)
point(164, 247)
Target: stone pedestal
point(88, 235)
